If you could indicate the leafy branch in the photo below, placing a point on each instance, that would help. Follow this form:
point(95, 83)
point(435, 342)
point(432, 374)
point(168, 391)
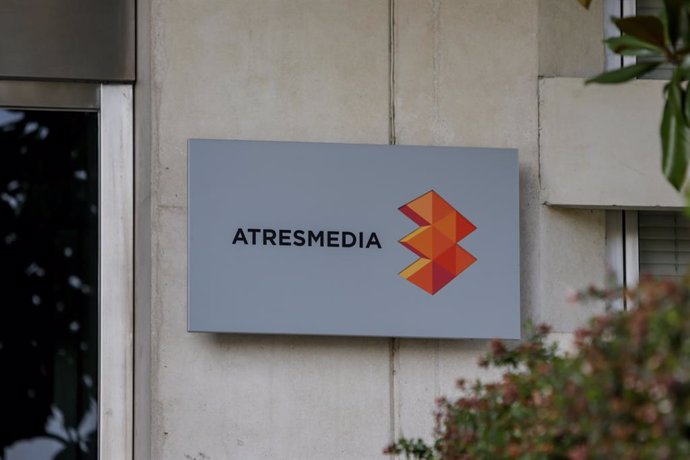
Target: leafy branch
point(662, 39)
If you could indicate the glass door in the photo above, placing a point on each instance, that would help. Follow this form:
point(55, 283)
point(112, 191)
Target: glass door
point(65, 224)
point(49, 281)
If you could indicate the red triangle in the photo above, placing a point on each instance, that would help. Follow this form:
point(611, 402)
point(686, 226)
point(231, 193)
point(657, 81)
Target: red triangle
point(463, 227)
point(441, 277)
point(447, 260)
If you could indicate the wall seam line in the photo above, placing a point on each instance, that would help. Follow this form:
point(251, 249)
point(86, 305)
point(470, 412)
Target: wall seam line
point(391, 73)
point(394, 344)
point(539, 86)
point(394, 363)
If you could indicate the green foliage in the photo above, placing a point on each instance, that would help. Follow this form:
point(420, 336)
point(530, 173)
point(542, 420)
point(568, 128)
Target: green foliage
point(624, 392)
point(625, 73)
point(662, 39)
point(674, 136)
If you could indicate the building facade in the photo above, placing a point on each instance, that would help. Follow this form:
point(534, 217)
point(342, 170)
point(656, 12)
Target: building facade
point(476, 73)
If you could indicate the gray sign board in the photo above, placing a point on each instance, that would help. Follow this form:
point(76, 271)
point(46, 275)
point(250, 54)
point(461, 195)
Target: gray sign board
point(360, 240)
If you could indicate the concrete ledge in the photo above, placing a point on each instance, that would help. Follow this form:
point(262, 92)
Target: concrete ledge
point(599, 145)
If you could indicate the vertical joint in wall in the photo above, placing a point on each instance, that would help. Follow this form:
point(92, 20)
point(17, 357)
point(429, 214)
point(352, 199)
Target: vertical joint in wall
point(394, 358)
point(394, 388)
point(391, 72)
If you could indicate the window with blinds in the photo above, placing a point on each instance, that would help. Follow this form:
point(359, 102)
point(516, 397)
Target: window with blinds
point(653, 8)
point(664, 244)
point(648, 7)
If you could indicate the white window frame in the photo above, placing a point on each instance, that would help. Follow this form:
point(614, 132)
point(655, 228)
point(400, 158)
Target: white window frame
point(616, 8)
point(622, 246)
point(632, 248)
point(622, 250)
point(114, 104)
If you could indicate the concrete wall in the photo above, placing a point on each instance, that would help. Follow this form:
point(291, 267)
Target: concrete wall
point(571, 242)
point(452, 87)
point(600, 145)
point(447, 73)
point(570, 38)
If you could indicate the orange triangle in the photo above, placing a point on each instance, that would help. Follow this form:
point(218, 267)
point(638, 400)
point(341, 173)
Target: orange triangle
point(447, 226)
point(413, 268)
point(423, 276)
point(440, 243)
point(463, 260)
point(413, 216)
point(420, 209)
point(420, 242)
point(440, 207)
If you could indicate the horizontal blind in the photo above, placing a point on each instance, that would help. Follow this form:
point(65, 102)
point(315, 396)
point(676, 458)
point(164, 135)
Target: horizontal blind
point(648, 7)
point(653, 8)
point(664, 244)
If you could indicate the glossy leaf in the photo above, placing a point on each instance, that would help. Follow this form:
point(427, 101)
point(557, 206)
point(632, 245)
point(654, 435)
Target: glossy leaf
point(686, 109)
point(649, 29)
point(674, 11)
point(684, 69)
point(628, 45)
point(674, 137)
point(624, 74)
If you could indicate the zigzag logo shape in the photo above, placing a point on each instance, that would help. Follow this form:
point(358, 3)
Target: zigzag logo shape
point(441, 227)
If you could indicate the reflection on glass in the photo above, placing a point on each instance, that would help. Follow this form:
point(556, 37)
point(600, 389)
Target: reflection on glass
point(48, 280)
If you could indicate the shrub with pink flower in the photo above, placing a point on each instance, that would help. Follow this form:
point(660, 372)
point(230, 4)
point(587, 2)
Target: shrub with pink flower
point(624, 392)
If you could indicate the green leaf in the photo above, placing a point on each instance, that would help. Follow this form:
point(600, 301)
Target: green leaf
point(684, 69)
point(649, 29)
point(627, 45)
point(674, 10)
point(624, 74)
point(674, 137)
point(585, 3)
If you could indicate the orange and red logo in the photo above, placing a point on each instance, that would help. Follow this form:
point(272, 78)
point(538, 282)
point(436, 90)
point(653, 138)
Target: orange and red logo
point(441, 227)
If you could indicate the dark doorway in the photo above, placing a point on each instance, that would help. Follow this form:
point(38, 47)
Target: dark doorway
point(48, 284)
